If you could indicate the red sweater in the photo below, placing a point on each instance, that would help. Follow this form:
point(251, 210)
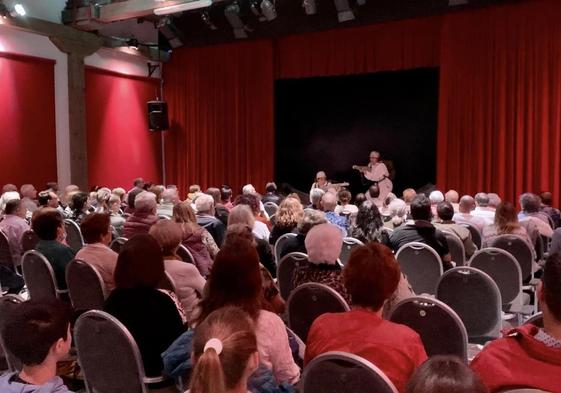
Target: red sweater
point(519, 361)
point(395, 349)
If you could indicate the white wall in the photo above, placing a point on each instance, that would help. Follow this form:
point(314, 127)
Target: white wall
point(21, 42)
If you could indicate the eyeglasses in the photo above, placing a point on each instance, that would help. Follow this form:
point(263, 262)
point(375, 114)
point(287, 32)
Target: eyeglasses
point(320, 178)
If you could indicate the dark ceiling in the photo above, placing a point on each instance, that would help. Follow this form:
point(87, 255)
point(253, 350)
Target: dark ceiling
point(291, 18)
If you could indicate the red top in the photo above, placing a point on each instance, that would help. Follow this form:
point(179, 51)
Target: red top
point(519, 361)
point(396, 349)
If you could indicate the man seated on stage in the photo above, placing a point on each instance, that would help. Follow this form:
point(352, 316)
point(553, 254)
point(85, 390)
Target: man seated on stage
point(321, 182)
point(328, 204)
point(467, 204)
point(528, 356)
point(422, 230)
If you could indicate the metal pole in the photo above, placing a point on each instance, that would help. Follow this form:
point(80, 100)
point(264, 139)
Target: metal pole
point(162, 132)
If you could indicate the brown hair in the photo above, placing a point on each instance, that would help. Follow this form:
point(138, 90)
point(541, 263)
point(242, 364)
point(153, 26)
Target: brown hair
point(95, 226)
point(371, 275)
point(217, 372)
point(234, 280)
point(241, 214)
point(140, 263)
point(444, 374)
point(45, 223)
point(168, 234)
point(183, 213)
point(552, 285)
point(290, 213)
point(506, 219)
point(250, 200)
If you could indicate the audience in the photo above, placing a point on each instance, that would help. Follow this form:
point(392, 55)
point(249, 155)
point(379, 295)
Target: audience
point(271, 194)
point(316, 194)
point(248, 189)
point(117, 220)
point(261, 227)
point(103, 196)
point(150, 315)
point(528, 356)
point(445, 374)
point(29, 197)
point(323, 243)
point(345, 207)
point(368, 225)
point(445, 212)
point(226, 197)
point(170, 198)
point(220, 211)
point(197, 239)
point(204, 205)
point(531, 204)
point(297, 243)
point(48, 199)
point(328, 204)
point(38, 334)
point(546, 207)
point(435, 198)
point(131, 197)
point(241, 214)
point(9, 192)
point(13, 226)
point(79, 206)
point(482, 208)
point(506, 223)
point(464, 216)
point(371, 276)
point(188, 282)
point(452, 197)
point(144, 215)
point(96, 231)
point(224, 352)
point(422, 230)
point(288, 216)
point(49, 227)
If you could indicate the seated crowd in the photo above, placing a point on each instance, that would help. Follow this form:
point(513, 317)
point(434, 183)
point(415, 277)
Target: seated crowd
point(217, 325)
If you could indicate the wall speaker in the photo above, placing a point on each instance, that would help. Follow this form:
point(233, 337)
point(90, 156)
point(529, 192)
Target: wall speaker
point(158, 115)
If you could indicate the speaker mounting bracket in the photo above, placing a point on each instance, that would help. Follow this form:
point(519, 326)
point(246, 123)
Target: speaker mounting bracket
point(152, 68)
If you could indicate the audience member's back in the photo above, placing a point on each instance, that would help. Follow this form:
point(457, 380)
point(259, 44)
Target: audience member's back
point(144, 215)
point(39, 335)
point(529, 356)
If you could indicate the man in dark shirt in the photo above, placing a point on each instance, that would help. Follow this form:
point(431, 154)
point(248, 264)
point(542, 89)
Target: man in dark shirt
point(271, 194)
point(422, 231)
point(206, 218)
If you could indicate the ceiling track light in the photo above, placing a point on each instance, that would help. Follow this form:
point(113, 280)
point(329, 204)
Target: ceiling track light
point(232, 14)
point(191, 5)
point(344, 11)
point(269, 10)
point(360, 2)
point(310, 7)
point(133, 43)
point(4, 12)
point(205, 17)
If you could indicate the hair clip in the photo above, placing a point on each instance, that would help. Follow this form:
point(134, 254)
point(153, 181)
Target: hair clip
point(215, 344)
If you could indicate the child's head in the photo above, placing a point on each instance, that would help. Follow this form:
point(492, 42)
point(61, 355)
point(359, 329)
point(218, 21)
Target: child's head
point(35, 331)
point(224, 350)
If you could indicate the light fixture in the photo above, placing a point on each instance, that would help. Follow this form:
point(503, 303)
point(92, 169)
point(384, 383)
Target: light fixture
point(310, 7)
point(19, 9)
point(192, 5)
point(268, 9)
point(133, 43)
point(207, 21)
point(232, 13)
point(344, 12)
point(360, 2)
point(4, 12)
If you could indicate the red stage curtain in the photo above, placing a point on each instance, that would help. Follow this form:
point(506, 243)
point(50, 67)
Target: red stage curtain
point(221, 109)
point(384, 47)
point(27, 120)
point(500, 100)
point(120, 147)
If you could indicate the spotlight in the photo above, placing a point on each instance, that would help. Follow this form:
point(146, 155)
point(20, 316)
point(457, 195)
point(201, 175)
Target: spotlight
point(268, 9)
point(4, 12)
point(254, 6)
point(310, 7)
point(344, 12)
point(232, 13)
point(133, 43)
point(18, 8)
point(206, 19)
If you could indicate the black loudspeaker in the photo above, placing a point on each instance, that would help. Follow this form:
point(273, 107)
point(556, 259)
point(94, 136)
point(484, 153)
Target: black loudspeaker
point(158, 115)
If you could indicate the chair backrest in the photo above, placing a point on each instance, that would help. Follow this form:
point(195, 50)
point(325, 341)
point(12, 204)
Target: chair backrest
point(167, 283)
point(520, 249)
point(309, 301)
point(271, 208)
point(29, 240)
point(349, 244)
point(39, 276)
point(7, 303)
point(422, 266)
point(440, 328)
point(341, 372)
point(73, 235)
point(456, 247)
point(279, 244)
point(536, 319)
point(475, 234)
point(185, 255)
point(503, 268)
point(118, 243)
point(5, 251)
point(285, 270)
point(108, 354)
point(475, 297)
point(85, 286)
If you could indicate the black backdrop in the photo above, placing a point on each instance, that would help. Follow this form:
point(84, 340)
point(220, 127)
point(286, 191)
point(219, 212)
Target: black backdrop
point(331, 123)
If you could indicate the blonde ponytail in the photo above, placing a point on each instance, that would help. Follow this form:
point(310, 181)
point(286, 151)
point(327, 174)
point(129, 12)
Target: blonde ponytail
point(208, 377)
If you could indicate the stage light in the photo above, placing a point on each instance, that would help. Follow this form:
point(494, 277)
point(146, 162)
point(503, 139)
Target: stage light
point(192, 5)
point(310, 7)
point(344, 12)
point(4, 12)
point(232, 14)
point(360, 2)
point(133, 43)
point(19, 9)
point(268, 9)
point(207, 21)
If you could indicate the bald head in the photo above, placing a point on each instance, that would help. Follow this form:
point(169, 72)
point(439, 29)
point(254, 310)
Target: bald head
point(452, 196)
point(328, 202)
point(467, 204)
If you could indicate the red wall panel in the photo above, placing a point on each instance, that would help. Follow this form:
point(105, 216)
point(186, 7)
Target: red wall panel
point(27, 120)
point(120, 147)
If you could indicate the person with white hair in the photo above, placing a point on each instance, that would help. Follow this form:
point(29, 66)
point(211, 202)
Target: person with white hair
point(321, 182)
point(206, 218)
point(316, 194)
point(397, 210)
point(7, 196)
point(435, 198)
point(144, 215)
point(170, 198)
point(328, 204)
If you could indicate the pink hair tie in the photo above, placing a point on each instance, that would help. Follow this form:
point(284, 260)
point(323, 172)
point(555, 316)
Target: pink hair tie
point(215, 344)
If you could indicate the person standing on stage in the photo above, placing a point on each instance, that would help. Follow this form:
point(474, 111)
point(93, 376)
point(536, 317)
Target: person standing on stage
point(376, 173)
